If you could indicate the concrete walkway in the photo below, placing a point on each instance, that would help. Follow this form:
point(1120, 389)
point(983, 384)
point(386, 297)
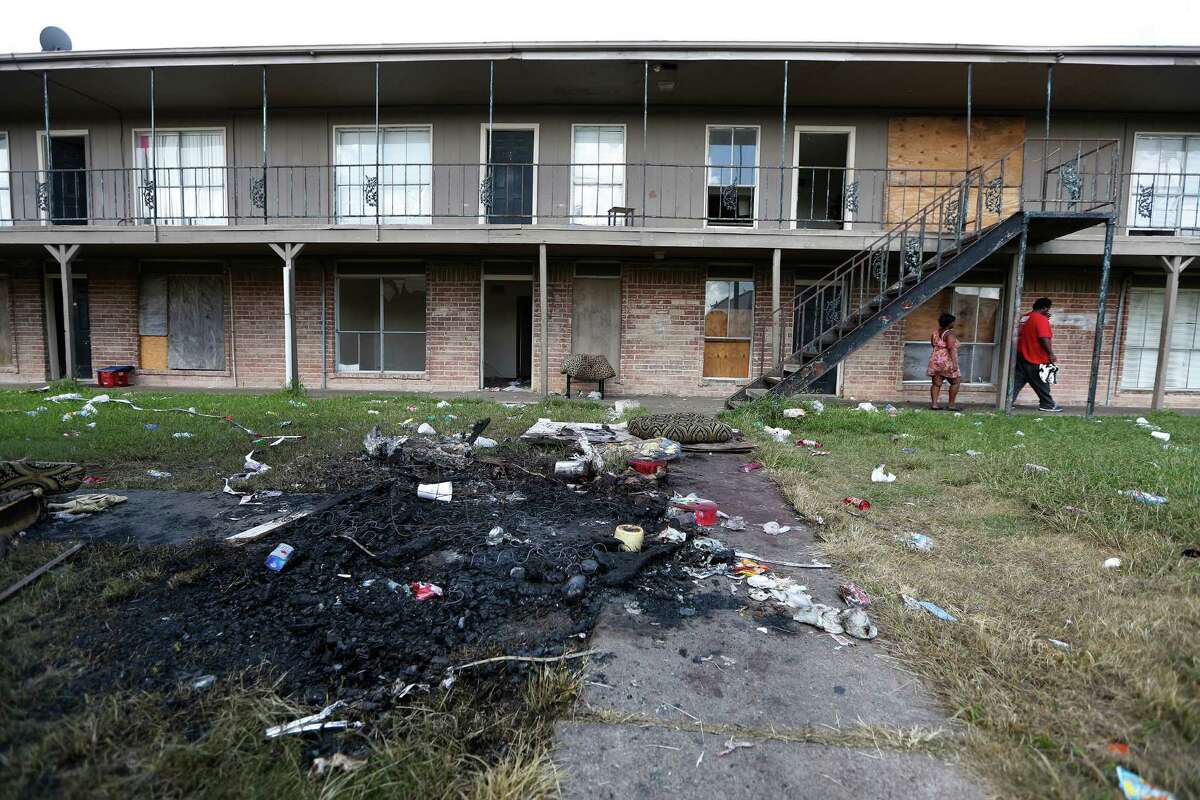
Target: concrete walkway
point(719, 671)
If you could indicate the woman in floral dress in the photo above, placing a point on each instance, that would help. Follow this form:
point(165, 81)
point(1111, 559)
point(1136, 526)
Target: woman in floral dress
point(943, 362)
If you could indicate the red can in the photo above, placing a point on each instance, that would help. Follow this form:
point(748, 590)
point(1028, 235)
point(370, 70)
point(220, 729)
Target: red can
point(647, 466)
point(857, 502)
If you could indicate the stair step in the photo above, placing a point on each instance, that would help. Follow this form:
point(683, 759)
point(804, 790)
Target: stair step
point(774, 380)
point(754, 394)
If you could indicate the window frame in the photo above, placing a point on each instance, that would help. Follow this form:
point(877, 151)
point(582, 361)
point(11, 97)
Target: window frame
point(704, 337)
point(6, 214)
point(597, 220)
point(334, 165)
point(1157, 293)
point(708, 128)
point(851, 131)
point(484, 138)
point(224, 170)
point(996, 344)
point(1131, 219)
point(349, 272)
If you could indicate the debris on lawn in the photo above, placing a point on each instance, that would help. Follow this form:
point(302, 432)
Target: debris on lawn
point(1037, 468)
point(920, 542)
point(869, 407)
point(879, 475)
point(425, 429)
point(773, 528)
point(259, 531)
point(338, 761)
point(42, 570)
point(313, 722)
point(1161, 435)
point(778, 434)
point(816, 405)
point(660, 449)
point(924, 605)
point(1135, 788)
point(279, 557)
point(85, 504)
point(158, 473)
point(545, 431)
point(857, 502)
point(734, 523)
point(1144, 497)
point(793, 413)
point(854, 595)
point(809, 443)
point(423, 590)
point(442, 492)
point(631, 538)
point(1112, 563)
point(749, 466)
point(732, 745)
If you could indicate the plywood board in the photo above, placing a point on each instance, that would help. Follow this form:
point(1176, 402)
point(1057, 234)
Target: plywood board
point(152, 352)
point(152, 306)
point(726, 359)
point(596, 319)
point(196, 316)
point(927, 157)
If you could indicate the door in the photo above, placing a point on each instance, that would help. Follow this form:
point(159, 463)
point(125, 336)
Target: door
point(596, 322)
point(83, 327)
point(815, 314)
point(68, 195)
point(196, 322)
point(824, 186)
point(510, 174)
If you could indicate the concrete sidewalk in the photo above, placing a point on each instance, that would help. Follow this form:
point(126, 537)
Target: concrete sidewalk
point(719, 671)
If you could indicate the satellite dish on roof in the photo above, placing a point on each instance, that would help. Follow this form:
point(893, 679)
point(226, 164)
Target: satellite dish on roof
point(52, 38)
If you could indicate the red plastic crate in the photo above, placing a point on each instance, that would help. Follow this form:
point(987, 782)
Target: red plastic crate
point(113, 376)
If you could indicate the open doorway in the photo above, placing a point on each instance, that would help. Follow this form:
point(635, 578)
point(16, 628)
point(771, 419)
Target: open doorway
point(83, 328)
point(824, 189)
point(507, 332)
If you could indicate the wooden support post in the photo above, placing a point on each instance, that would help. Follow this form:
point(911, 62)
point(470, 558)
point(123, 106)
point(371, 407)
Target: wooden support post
point(777, 315)
point(63, 254)
point(1008, 323)
point(291, 369)
point(544, 317)
point(1018, 281)
point(1174, 267)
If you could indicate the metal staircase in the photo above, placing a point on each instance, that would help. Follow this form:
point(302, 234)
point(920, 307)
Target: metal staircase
point(1042, 189)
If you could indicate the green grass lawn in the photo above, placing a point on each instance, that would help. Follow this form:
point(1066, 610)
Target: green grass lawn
point(121, 449)
point(1018, 560)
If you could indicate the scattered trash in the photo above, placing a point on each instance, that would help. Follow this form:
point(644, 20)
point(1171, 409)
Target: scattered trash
point(734, 523)
point(672, 535)
point(1019, 433)
point(1119, 749)
point(867, 407)
point(313, 722)
point(919, 541)
point(774, 528)
point(495, 536)
point(750, 466)
point(484, 442)
point(793, 413)
point(61, 398)
point(878, 475)
point(339, 761)
point(808, 443)
point(285, 423)
point(546, 431)
point(622, 406)
point(925, 605)
point(1163, 435)
point(279, 557)
point(204, 682)
point(705, 510)
point(646, 466)
point(158, 473)
point(1144, 497)
point(778, 434)
point(1037, 468)
point(819, 453)
point(372, 411)
point(442, 404)
point(443, 491)
point(974, 453)
point(425, 429)
point(891, 409)
point(816, 405)
point(571, 468)
point(631, 538)
point(858, 624)
point(710, 545)
point(732, 745)
point(1191, 552)
point(660, 449)
point(93, 480)
point(151, 426)
point(423, 590)
point(1112, 563)
point(261, 530)
point(181, 435)
point(1135, 788)
point(85, 504)
point(853, 595)
point(633, 608)
point(1059, 643)
point(834, 621)
point(857, 502)
point(575, 587)
point(594, 395)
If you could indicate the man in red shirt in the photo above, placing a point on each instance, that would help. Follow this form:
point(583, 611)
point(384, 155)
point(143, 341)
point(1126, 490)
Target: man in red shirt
point(1033, 350)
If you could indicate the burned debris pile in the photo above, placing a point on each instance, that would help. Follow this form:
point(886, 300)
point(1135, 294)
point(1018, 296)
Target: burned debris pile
point(390, 586)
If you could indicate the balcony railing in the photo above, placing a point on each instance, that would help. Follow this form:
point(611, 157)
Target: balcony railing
point(639, 195)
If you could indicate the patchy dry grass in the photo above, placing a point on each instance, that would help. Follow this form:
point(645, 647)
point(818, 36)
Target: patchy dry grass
point(1018, 561)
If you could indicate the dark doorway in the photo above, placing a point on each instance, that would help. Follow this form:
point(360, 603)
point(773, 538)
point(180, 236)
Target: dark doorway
point(823, 179)
point(507, 332)
point(68, 185)
point(83, 329)
point(510, 174)
point(816, 314)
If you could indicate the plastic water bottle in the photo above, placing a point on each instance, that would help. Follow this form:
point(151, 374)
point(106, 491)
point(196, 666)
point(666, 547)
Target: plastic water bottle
point(1145, 497)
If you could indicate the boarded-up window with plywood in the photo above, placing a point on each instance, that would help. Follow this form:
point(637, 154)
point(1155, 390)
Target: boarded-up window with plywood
point(8, 344)
point(181, 321)
point(927, 157)
point(728, 327)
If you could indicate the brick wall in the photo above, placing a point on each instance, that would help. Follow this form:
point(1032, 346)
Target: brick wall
point(27, 307)
point(113, 308)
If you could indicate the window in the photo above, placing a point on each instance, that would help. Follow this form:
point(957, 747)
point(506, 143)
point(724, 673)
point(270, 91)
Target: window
point(381, 323)
point(977, 329)
point(732, 163)
point(188, 177)
point(5, 184)
point(1165, 184)
point(399, 177)
point(728, 327)
point(597, 173)
point(1142, 339)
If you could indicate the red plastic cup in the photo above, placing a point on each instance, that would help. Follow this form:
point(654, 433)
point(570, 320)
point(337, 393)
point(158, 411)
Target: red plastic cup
point(706, 512)
point(646, 466)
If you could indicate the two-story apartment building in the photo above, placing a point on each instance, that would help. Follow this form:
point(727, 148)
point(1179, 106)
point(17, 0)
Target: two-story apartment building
point(464, 216)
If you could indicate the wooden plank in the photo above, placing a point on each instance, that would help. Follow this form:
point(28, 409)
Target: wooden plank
point(152, 306)
point(259, 531)
point(152, 352)
point(196, 318)
point(596, 319)
point(726, 359)
point(37, 573)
